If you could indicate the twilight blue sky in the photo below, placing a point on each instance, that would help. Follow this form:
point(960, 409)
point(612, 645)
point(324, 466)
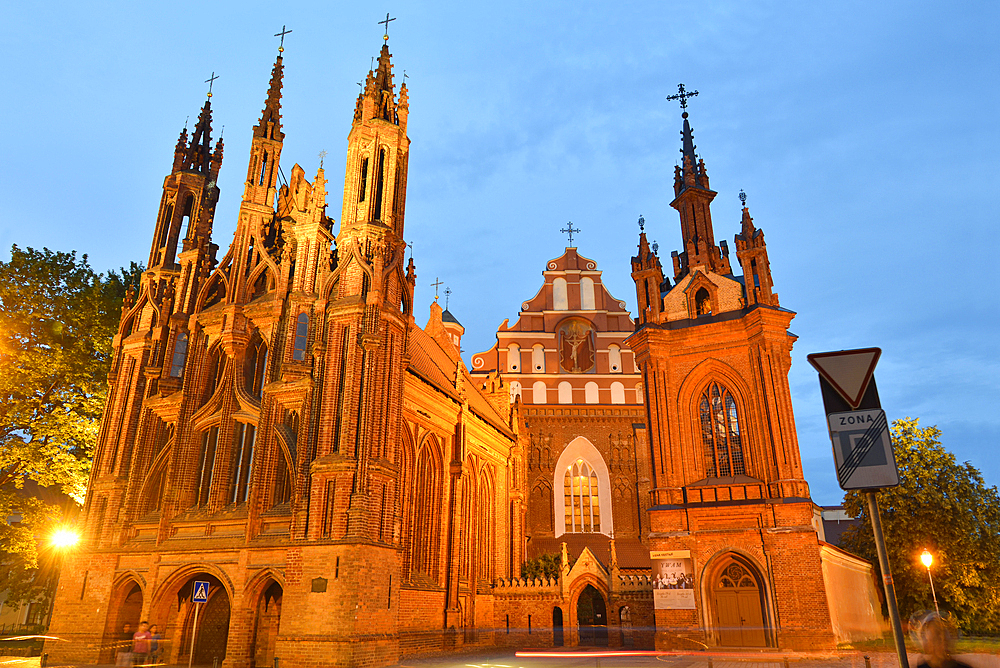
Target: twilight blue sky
point(864, 133)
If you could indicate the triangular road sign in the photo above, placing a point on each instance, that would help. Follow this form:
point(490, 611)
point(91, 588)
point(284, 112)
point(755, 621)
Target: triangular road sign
point(848, 371)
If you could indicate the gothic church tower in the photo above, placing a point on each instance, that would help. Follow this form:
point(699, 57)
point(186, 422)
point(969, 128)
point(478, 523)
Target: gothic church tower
point(728, 490)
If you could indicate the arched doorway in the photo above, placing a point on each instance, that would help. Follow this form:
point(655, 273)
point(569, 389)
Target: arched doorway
point(174, 612)
point(557, 627)
point(592, 617)
point(127, 604)
point(265, 627)
point(737, 595)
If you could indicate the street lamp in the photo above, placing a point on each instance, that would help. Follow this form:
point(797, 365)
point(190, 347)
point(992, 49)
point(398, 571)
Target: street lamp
point(927, 558)
point(64, 538)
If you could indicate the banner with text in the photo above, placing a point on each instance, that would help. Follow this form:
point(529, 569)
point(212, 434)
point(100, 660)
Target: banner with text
point(673, 580)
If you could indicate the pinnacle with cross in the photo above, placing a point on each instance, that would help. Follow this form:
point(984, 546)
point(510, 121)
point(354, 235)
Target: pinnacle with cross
point(211, 82)
point(743, 198)
point(322, 156)
point(570, 231)
point(410, 246)
point(642, 223)
point(437, 284)
point(281, 47)
point(386, 23)
point(683, 96)
point(447, 296)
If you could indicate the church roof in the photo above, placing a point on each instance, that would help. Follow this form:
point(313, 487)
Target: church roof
point(430, 362)
point(447, 316)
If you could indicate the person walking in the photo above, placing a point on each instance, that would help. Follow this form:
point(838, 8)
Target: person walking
point(937, 640)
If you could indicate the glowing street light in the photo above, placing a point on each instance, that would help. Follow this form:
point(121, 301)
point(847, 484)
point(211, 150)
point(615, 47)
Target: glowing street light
point(927, 559)
point(65, 538)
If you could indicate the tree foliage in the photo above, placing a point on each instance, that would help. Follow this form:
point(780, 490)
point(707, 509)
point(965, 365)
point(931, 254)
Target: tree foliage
point(57, 320)
point(544, 566)
point(947, 508)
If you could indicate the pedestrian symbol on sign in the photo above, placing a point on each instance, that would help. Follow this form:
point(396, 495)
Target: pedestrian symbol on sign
point(200, 592)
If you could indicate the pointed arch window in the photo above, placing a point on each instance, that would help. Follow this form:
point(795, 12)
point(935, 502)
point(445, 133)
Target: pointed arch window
point(180, 355)
point(720, 433)
point(583, 510)
point(703, 302)
point(301, 335)
point(243, 450)
point(363, 186)
point(256, 366)
point(206, 464)
point(263, 170)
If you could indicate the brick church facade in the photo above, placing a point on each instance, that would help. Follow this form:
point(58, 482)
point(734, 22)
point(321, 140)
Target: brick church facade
point(279, 426)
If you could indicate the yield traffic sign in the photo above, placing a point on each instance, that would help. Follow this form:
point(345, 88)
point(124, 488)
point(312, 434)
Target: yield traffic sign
point(848, 371)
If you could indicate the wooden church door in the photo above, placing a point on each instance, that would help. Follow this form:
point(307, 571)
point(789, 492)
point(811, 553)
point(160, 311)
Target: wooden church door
point(739, 608)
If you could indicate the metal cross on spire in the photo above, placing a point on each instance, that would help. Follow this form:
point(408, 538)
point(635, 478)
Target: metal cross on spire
point(682, 95)
point(211, 82)
point(447, 295)
point(322, 156)
point(569, 230)
point(743, 198)
point(410, 246)
point(386, 23)
point(437, 284)
point(281, 47)
point(642, 223)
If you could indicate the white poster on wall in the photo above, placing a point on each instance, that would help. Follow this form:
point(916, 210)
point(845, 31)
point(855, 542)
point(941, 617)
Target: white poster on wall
point(673, 580)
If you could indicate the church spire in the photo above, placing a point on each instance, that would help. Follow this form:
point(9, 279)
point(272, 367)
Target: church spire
point(693, 199)
point(269, 126)
point(752, 254)
point(265, 149)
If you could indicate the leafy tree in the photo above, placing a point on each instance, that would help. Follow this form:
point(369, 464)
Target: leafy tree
point(945, 507)
point(57, 320)
point(544, 566)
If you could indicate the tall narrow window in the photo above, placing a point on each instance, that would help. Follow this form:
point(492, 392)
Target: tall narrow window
point(615, 358)
point(379, 184)
point(186, 219)
point(256, 365)
point(753, 269)
point(720, 433)
point(560, 296)
point(538, 358)
point(282, 482)
point(583, 510)
point(587, 301)
point(239, 486)
point(168, 216)
point(363, 186)
point(206, 463)
point(263, 170)
point(180, 355)
point(513, 357)
point(301, 334)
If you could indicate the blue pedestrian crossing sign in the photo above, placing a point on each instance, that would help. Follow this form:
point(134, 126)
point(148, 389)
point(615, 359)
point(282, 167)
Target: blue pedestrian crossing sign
point(200, 592)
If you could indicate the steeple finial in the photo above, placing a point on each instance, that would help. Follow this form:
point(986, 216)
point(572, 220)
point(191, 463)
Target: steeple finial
point(386, 23)
point(211, 82)
point(269, 126)
point(691, 171)
point(281, 46)
point(642, 223)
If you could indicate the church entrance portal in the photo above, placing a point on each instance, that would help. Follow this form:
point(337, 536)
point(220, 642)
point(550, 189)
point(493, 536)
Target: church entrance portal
point(212, 635)
point(128, 603)
point(739, 606)
point(592, 616)
point(265, 629)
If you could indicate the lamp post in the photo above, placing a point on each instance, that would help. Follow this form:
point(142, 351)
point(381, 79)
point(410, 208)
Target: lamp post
point(927, 558)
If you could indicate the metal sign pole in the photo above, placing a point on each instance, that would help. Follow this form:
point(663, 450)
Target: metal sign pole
point(194, 631)
point(890, 589)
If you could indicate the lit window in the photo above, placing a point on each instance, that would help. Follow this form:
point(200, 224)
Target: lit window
point(583, 510)
point(720, 433)
point(246, 436)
